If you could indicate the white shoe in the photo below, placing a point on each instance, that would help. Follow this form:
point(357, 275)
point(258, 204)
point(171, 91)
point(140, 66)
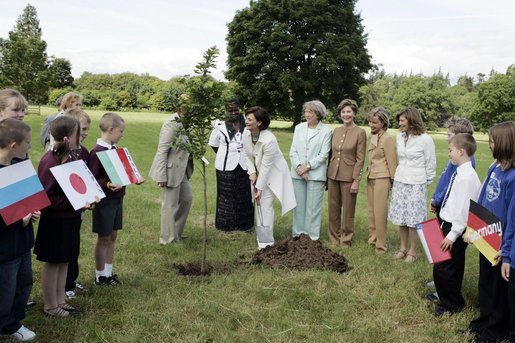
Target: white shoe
point(430, 284)
point(70, 294)
point(23, 334)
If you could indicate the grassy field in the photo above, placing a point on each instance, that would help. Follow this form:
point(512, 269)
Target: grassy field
point(379, 300)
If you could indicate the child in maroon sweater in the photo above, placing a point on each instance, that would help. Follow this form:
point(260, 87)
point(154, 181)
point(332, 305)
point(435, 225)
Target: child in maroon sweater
point(73, 287)
point(107, 215)
point(58, 234)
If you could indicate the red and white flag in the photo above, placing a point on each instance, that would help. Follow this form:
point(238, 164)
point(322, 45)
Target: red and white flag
point(78, 183)
point(431, 236)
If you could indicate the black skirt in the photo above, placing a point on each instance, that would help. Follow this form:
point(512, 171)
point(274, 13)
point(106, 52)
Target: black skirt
point(234, 209)
point(58, 239)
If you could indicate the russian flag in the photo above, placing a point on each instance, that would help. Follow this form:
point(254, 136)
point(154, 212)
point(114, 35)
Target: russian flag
point(484, 230)
point(21, 192)
point(431, 236)
point(119, 166)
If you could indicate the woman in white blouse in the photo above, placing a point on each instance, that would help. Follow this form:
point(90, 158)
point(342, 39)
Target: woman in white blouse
point(268, 173)
point(416, 169)
point(234, 210)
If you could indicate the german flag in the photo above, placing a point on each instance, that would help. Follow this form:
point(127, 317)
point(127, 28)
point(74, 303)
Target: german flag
point(484, 230)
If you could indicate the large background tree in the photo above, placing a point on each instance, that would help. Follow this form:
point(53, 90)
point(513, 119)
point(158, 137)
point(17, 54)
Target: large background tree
point(60, 73)
point(24, 62)
point(283, 53)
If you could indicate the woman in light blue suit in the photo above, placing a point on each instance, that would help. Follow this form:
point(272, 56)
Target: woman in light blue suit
point(308, 154)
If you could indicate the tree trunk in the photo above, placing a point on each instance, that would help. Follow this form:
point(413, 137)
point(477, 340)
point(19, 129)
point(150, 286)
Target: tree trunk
point(298, 99)
point(204, 247)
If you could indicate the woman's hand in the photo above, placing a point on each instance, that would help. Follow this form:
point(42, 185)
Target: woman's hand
point(301, 169)
point(257, 195)
point(354, 188)
point(114, 187)
point(253, 178)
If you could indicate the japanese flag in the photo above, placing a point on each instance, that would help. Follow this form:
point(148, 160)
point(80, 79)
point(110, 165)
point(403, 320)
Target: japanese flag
point(78, 183)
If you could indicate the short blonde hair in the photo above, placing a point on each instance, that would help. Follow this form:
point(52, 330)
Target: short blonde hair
point(110, 119)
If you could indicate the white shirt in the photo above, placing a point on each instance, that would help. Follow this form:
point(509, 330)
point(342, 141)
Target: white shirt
point(466, 186)
point(230, 150)
point(417, 159)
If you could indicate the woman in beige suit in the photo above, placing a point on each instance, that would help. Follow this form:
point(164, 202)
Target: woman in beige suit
point(268, 173)
point(382, 162)
point(344, 173)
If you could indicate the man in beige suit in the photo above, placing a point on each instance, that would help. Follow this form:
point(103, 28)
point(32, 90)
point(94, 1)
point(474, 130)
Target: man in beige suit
point(172, 169)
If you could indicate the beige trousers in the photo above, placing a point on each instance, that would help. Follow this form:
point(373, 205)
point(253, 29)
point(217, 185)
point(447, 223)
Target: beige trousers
point(377, 191)
point(175, 207)
point(340, 197)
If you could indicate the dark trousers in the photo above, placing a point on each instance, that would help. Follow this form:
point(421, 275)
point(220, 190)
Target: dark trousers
point(494, 320)
point(73, 268)
point(73, 274)
point(15, 287)
point(511, 301)
point(448, 275)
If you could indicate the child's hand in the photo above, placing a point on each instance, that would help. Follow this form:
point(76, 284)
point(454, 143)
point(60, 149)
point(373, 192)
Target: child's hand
point(497, 258)
point(446, 245)
point(114, 187)
point(26, 219)
point(432, 209)
point(505, 271)
point(162, 184)
point(35, 216)
point(467, 238)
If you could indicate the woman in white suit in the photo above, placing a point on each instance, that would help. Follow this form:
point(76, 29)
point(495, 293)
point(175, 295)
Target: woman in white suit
point(308, 154)
point(268, 173)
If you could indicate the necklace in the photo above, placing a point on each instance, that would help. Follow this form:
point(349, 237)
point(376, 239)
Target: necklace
point(254, 138)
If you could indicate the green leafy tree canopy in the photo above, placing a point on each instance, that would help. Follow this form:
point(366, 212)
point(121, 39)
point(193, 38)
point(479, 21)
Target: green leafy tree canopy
point(283, 53)
point(24, 62)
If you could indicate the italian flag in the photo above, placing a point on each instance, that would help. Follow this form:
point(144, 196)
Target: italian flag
point(119, 166)
point(484, 230)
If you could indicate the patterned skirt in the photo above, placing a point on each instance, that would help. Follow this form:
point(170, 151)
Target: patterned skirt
point(408, 205)
point(234, 208)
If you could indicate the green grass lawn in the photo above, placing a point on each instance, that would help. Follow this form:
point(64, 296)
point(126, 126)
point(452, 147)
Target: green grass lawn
point(379, 300)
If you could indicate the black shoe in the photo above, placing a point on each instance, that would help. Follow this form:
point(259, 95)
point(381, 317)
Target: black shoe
point(101, 281)
point(113, 280)
point(433, 297)
point(183, 238)
point(441, 310)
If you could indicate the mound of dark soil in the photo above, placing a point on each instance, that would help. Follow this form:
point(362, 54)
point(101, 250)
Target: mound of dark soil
point(301, 253)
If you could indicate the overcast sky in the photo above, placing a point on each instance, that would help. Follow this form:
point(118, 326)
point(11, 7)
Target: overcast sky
point(166, 38)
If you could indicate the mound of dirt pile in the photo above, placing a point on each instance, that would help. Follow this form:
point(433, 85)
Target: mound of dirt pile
point(301, 253)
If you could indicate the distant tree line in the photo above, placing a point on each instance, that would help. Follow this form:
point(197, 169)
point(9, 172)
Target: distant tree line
point(484, 100)
point(281, 54)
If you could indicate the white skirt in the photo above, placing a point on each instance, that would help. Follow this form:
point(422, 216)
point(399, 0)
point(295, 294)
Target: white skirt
point(408, 204)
